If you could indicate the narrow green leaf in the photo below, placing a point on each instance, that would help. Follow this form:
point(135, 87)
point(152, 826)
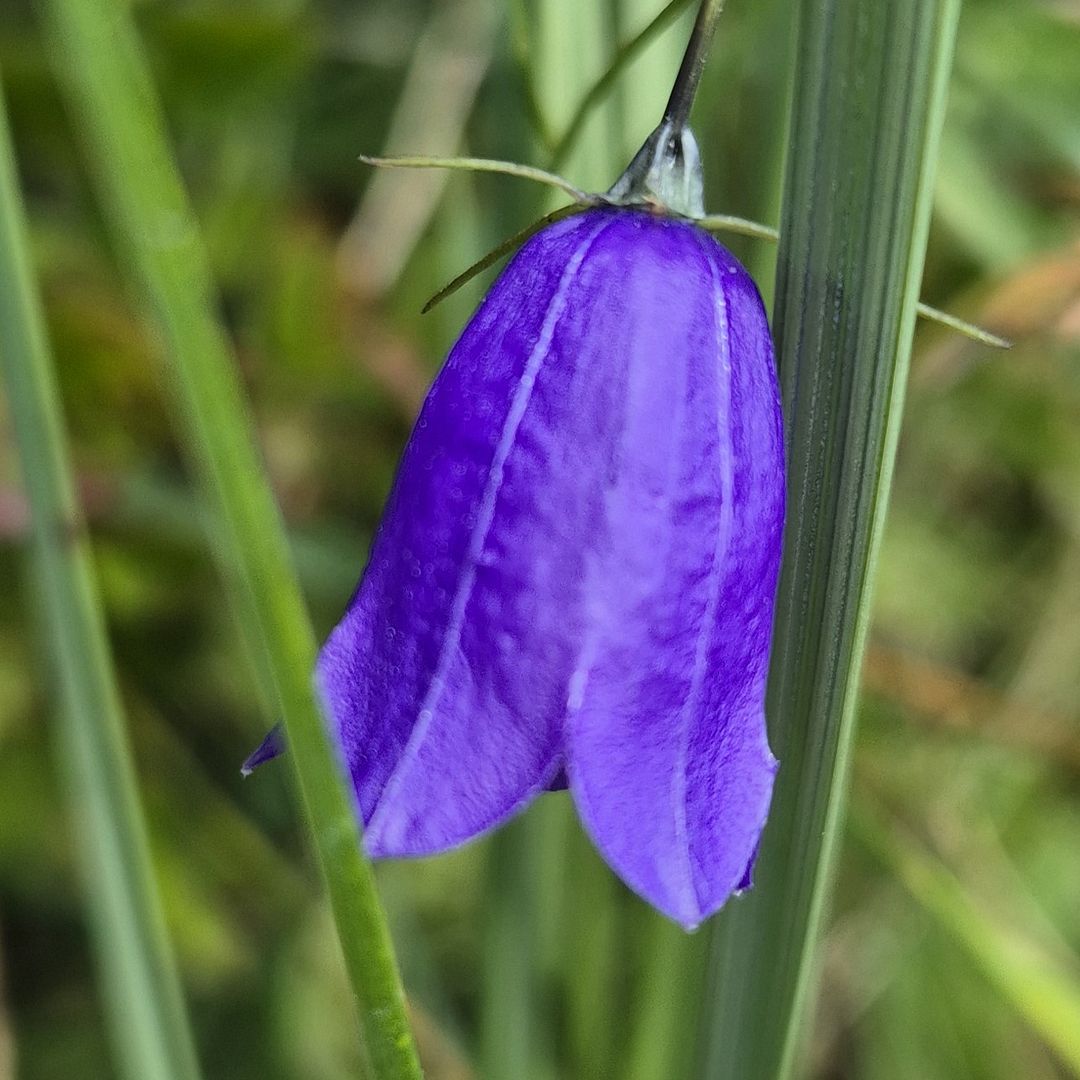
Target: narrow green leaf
point(144, 1003)
point(1041, 989)
point(111, 95)
point(525, 58)
point(869, 92)
point(961, 326)
point(595, 937)
point(512, 1031)
point(668, 1003)
point(505, 248)
point(468, 164)
point(739, 226)
point(569, 41)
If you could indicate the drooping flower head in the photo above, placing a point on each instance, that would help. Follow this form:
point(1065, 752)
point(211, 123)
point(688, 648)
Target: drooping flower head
point(574, 577)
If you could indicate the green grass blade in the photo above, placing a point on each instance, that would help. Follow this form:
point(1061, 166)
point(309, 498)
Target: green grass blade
point(512, 1029)
point(870, 84)
point(497, 253)
point(569, 43)
point(144, 1003)
point(112, 98)
point(594, 938)
point(525, 60)
point(1045, 992)
point(665, 1015)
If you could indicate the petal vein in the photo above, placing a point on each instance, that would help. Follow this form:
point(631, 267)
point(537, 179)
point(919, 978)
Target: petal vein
point(481, 528)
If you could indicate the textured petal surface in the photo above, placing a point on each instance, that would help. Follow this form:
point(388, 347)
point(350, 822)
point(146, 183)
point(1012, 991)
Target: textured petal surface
point(667, 753)
point(447, 677)
point(574, 576)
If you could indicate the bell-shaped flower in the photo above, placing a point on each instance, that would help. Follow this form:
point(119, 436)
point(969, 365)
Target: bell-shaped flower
point(573, 581)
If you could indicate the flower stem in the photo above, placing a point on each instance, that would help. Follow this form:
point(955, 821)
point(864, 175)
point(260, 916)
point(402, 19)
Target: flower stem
point(683, 92)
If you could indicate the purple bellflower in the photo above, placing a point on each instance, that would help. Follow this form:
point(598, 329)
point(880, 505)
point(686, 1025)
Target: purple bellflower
point(574, 577)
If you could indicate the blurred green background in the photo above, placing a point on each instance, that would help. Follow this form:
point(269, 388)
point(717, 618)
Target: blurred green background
point(952, 950)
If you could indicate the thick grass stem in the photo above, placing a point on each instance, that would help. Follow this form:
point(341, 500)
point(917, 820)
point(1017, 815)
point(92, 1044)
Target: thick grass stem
point(870, 84)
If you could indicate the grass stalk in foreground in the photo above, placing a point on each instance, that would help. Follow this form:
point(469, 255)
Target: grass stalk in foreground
point(142, 992)
point(112, 99)
point(870, 85)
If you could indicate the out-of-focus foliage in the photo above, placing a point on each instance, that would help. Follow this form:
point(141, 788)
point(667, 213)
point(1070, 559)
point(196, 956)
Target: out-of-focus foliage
point(522, 955)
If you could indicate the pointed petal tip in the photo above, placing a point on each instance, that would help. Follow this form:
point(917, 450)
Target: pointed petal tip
point(692, 922)
point(692, 918)
point(689, 908)
point(747, 880)
point(272, 746)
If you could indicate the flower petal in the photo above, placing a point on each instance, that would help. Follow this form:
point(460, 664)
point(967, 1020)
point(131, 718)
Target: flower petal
point(447, 677)
point(668, 759)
